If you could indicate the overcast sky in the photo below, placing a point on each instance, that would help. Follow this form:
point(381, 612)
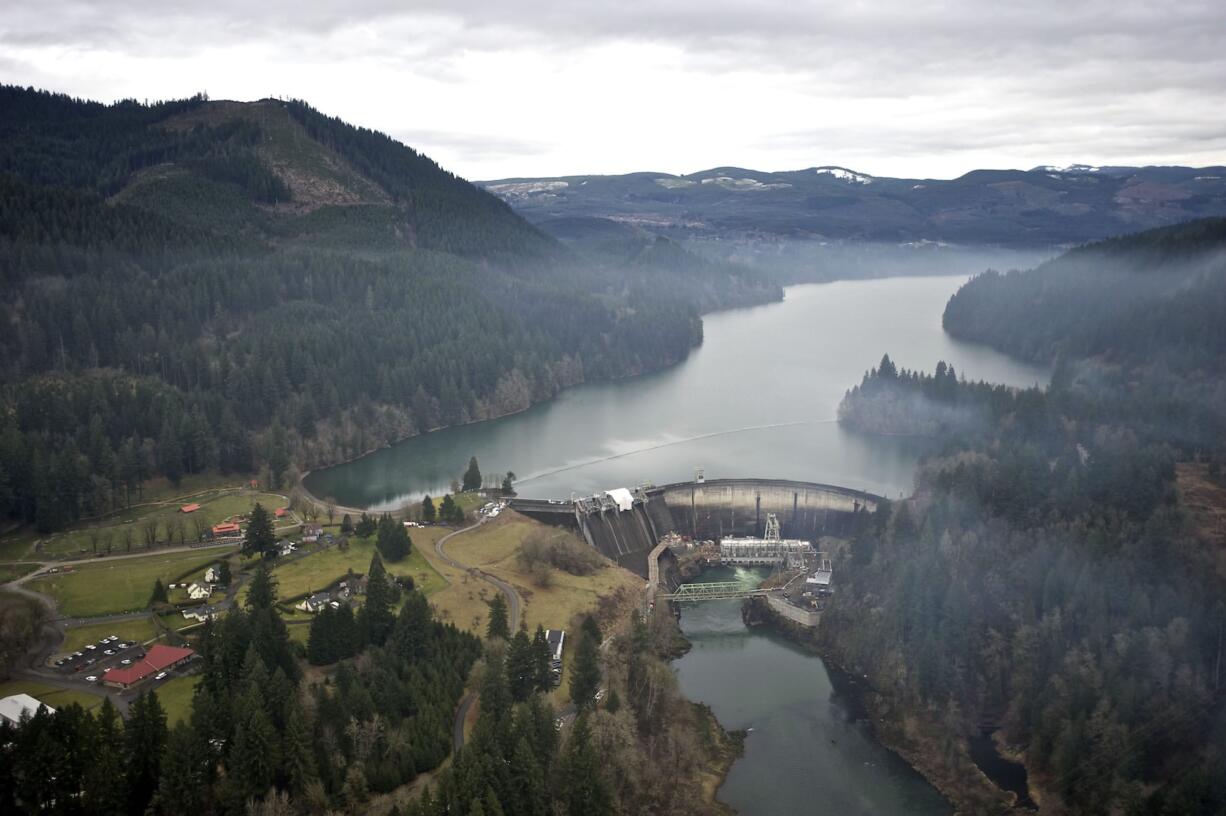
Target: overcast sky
point(498, 88)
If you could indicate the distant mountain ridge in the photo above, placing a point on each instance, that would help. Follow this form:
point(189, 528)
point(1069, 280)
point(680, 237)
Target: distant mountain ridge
point(1042, 207)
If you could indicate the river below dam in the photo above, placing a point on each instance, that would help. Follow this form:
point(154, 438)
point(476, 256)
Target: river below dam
point(811, 749)
point(757, 399)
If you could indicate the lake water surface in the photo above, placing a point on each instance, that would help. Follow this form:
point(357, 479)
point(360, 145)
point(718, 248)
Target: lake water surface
point(757, 399)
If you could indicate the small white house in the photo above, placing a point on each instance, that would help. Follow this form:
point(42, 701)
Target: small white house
point(200, 613)
point(314, 603)
point(212, 575)
point(198, 592)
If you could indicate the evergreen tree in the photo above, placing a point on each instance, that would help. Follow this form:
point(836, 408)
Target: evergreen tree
point(508, 484)
point(262, 592)
point(105, 785)
point(366, 526)
point(427, 510)
point(393, 539)
point(376, 619)
point(541, 660)
point(521, 667)
point(224, 577)
point(586, 792)
point(450, 512)
point(146, 736)
point(472, 476)
point(159, 595)
point(498, 627)
point(259, 536)
point(585, 674)
point(346, 525)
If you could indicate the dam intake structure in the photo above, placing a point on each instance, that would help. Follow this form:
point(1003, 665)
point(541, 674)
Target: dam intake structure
point(626, 524)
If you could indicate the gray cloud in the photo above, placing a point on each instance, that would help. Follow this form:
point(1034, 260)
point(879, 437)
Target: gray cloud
point(1098, 79)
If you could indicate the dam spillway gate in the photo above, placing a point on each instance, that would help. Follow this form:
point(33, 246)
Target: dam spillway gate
point(625, 525)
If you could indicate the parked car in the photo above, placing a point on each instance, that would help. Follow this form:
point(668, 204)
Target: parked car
point(109, 652)
point(126, 662)
point(93, 678)
point(160, 676)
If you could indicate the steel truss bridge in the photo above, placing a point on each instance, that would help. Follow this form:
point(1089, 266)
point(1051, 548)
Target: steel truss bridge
point(719, 591)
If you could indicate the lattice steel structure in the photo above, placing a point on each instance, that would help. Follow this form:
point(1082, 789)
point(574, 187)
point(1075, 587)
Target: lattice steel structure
point(718, 591)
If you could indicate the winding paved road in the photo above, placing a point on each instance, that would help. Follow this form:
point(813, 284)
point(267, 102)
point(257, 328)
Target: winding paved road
point(513, 602)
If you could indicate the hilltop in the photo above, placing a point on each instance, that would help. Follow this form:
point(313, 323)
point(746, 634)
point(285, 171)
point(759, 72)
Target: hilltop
point(197, 285)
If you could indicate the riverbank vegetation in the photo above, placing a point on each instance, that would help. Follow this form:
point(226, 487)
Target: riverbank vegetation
point(201, 287)
point(1045, 576)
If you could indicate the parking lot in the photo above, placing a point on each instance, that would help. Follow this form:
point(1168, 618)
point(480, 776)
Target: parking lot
point(94, 659)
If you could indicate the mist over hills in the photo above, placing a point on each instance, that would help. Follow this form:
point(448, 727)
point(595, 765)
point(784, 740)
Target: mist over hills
point(197, 285)
point(1022, 209)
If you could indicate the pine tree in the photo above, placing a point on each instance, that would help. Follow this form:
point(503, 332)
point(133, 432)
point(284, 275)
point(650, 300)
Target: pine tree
point(542, 656)
point(498, 627)
point(146, 737)
point(449, 512)
point(346, 525)
point(393, 540)
point(366, 526)
point(472, 476)
point(427, 510)
point(521, 668)
point(159, 595)
point(224, 576)
point(105, 786)
point(262, 592)
point(259, 536)
point(586, 792)
point(376, 619)
point(585, 674)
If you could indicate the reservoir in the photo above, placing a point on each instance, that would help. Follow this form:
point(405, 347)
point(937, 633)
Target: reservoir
point(756, 399)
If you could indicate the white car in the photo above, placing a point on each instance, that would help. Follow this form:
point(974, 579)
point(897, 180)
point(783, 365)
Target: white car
point(93, 678)
point(109, 652)
point(126, 662)
point(160, 676)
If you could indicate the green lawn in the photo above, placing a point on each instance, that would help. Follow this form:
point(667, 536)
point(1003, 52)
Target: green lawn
point(175, 695)
point(11, 572)
point(140, 630)
point(317, 571)
point(85, 540)
point(120, 585)
point(56, 698)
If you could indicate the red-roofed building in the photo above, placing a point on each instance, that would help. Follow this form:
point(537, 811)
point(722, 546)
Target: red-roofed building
point(281, 512)
point(229, 528)
point(158, 658)
point(189, 508)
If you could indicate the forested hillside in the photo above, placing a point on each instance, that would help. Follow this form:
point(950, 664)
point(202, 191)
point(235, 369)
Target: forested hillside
point(199, 285)
point(1138, 318)
point(1045, 576)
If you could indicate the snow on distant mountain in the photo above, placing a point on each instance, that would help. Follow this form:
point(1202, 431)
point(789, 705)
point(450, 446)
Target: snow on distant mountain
point(844, 174)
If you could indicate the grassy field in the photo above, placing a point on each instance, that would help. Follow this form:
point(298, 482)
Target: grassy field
point(314, 572)
point(118, 585)
point(140, 630)
point(11, 572)
point(56, 698)
point(493, 547)
point(217, 504)
point(175, 695)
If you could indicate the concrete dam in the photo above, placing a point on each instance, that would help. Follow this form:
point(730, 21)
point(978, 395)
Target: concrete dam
point(626, 524)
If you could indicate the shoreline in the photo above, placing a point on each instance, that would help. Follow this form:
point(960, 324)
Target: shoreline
point(909, 734)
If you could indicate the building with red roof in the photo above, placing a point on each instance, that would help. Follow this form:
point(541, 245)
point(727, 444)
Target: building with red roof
point(281, 512)
point(229, 528)
point(189, 508)
point(158, 658)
